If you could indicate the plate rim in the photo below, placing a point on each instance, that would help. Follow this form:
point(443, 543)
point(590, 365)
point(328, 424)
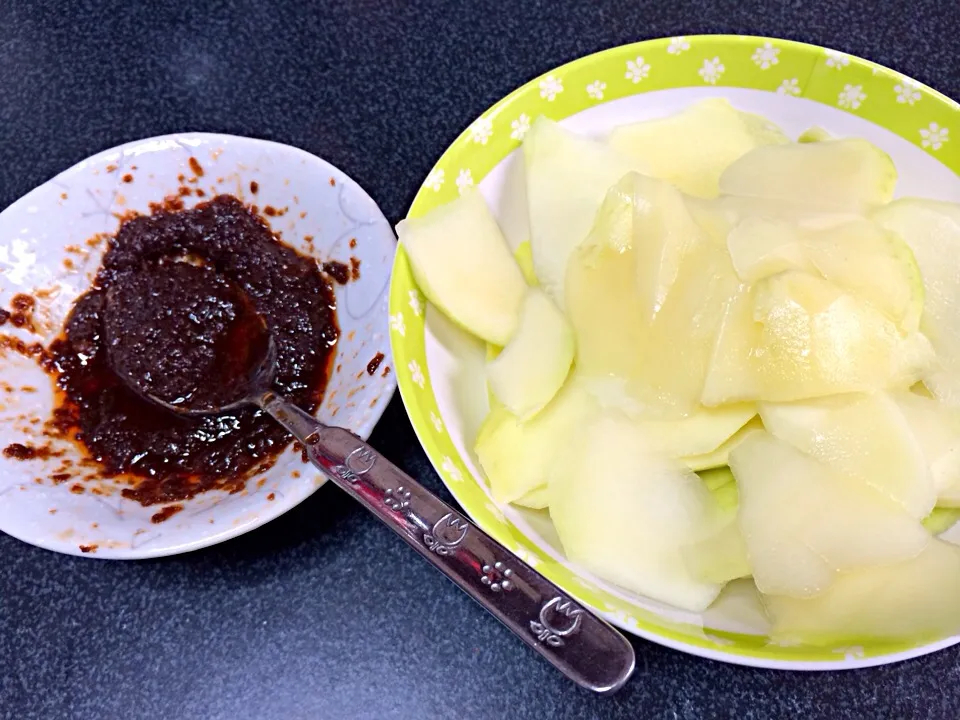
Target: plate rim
point(765, 656)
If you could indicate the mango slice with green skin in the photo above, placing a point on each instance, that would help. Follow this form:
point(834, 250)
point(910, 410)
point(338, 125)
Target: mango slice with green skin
point(719, 458)
point(536, 499)
point(721, 556)
point(936, 428)
point(858, 255)
point(624, 513)
point(530, 369)
point(941, 520)
point(932, 230)
point(866, 437)
point(873, 264)
point(814, 134)
point(516, 456)
point(567, 177)
point(848, 174)
point(524, 257)
point(817, 340)
point(462, 264)
point(692, 148)
point(647, 260)
point(803, 522)
point(760, 247)
point(912, 600)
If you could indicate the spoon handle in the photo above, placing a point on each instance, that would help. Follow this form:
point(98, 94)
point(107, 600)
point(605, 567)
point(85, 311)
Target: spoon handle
point(579, 644)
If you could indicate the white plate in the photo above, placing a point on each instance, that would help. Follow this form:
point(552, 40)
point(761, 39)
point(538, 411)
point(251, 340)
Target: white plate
point(43, 247)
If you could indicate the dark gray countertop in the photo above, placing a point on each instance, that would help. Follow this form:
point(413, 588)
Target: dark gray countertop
point(323, 613)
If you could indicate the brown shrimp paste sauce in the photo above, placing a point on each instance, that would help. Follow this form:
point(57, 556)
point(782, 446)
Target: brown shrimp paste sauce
point(183, 277)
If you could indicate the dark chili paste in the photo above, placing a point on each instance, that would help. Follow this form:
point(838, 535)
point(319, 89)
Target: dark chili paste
point(205, 348)
point(182, 277)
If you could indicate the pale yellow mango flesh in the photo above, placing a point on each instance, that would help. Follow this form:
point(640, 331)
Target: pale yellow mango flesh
point(720, 558)
point(915, 599)
point(692, 148)
point(516, 456)
point(936, 428)
point(567, 178)
point(677, 285)
point(610, 497)
point(462, 264)
point(847, 174)
point(866, 437)
point(817, 340)
point(857, 255)
point(720, 457)
point(803, 522)
point(524, 257)
point(932, 230)
point(874, 265)
point(530, 369)
point(760, 247)
point(536, 499)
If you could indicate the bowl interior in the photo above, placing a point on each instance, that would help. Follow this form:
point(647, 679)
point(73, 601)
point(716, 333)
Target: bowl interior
point(51, 242)
point(441, 368)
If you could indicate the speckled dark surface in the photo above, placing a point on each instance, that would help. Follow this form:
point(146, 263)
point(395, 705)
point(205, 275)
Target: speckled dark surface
point(323, 613)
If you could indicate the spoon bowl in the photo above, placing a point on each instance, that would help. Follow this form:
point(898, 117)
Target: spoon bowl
point(188, 340)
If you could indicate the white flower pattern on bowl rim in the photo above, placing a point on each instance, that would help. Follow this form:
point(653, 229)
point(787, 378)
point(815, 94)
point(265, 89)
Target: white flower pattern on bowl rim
point(711, 70)
point(595, 89)
point(907, 91)
point(765, 56)
point(851, 97)
point(435, 179)
point(934, 136)
point(550, 87)
point(637, 69)
point(837, 60)
point(520, 127)
point(481, 130)
point(678, 45)
point(416, 302)
point(789, 87)
point(464, 180)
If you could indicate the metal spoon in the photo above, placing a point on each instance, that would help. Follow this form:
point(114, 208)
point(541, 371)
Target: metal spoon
point(579, 644)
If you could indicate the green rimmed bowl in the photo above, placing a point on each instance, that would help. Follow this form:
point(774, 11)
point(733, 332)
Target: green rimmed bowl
point(440, 369)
